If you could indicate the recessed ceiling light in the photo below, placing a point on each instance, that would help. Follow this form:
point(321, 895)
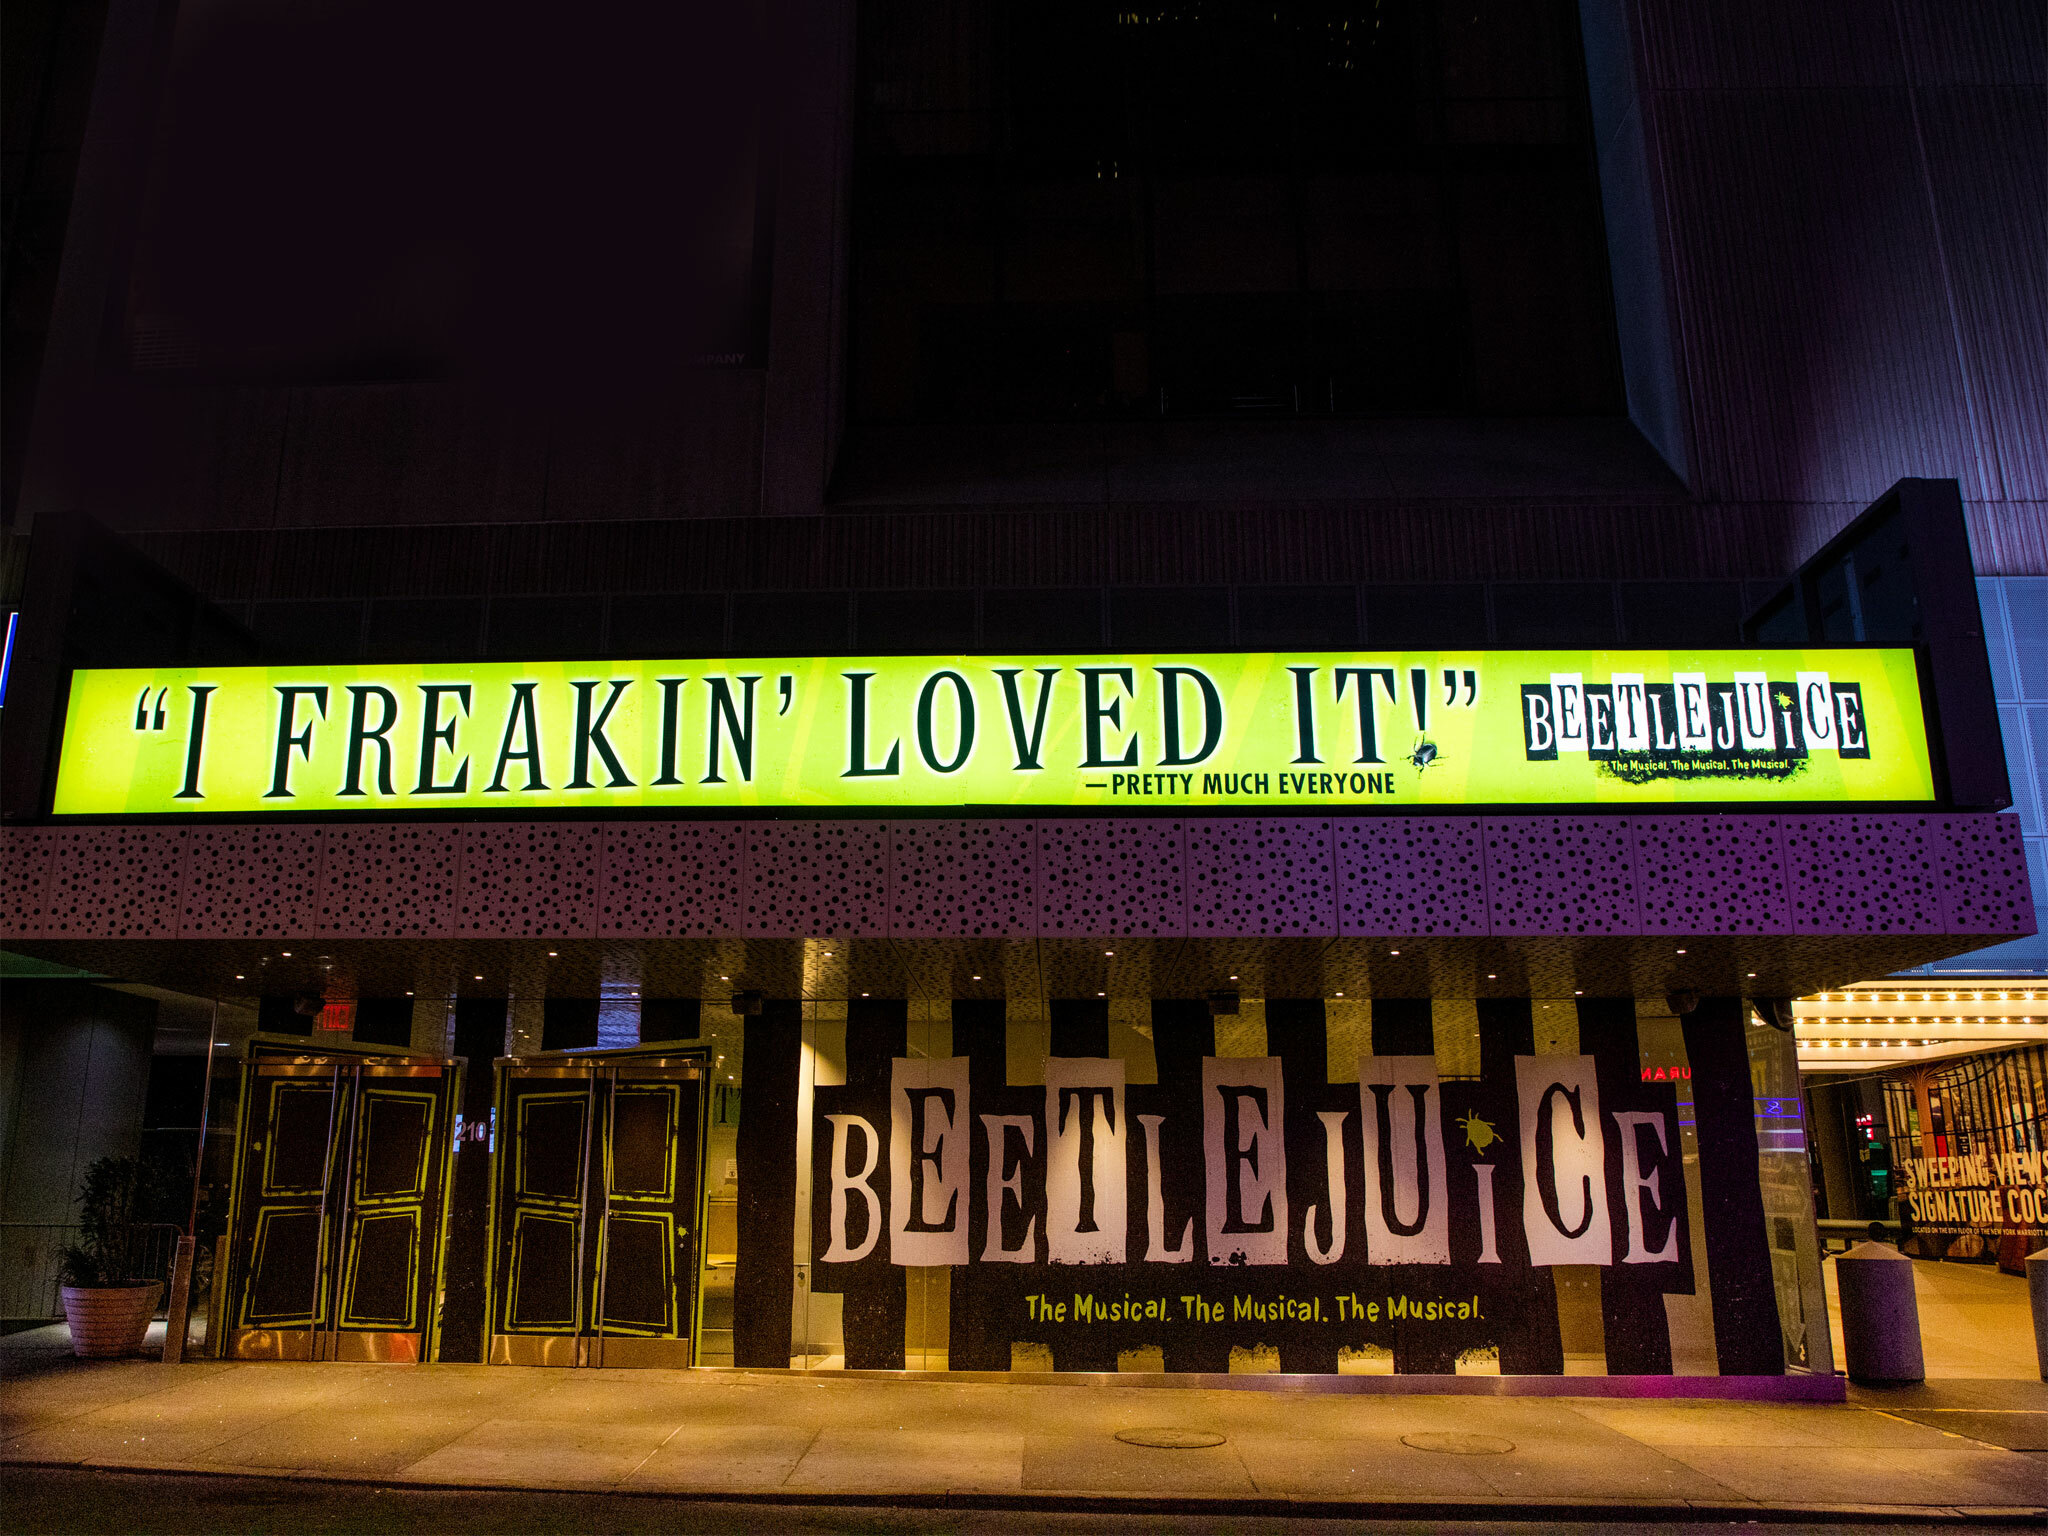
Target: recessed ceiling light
point(479, 976)
point(240, 977)
point(553, 953)
point(286, 953)
point(1109, 951)
point(1681, 951)
point(976, 978)
point(1492, 976)
point(1340, 994)
point(408, 994)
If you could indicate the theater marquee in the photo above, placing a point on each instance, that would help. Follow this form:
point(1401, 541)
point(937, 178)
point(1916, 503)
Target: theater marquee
point(1416, 728)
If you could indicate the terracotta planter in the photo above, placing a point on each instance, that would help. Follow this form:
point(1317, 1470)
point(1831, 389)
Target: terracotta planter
point(109, 1320)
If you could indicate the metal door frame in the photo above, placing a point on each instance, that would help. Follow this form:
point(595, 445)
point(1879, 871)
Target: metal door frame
point(326, 1340)
point(589, 1345)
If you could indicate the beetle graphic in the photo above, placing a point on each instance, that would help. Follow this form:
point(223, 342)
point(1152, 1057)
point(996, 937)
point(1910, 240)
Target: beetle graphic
point(1424, 754)
point(1479, 1134)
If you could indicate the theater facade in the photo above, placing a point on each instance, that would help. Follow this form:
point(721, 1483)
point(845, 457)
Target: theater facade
point(1007, 687)
point(1346, 1015)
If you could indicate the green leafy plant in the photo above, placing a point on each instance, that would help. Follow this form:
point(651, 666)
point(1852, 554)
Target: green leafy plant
point(120, 1196)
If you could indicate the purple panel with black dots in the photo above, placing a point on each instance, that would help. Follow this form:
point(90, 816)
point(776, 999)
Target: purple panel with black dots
point(671, 879)
point(251, 882)
point(1112, 879)
point(389, 882)
point(115, 882)
point(1411, 876)
point(1559, 875)
point(1865, 874)
point(963, 879)
point(25, 880)
point(1984, 886)
point(816, 879)
point(1710, 874)
point(1260, 877)
point(1397, 876)
point(530, 879)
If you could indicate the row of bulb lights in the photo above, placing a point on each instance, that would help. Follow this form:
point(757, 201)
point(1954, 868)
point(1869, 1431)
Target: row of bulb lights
point(1911, 998)
point(1926, 998)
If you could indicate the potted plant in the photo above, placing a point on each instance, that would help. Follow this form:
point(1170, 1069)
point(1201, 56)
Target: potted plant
point(107, 1302)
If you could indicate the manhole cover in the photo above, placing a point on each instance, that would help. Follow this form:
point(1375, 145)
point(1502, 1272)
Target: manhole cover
point(1171, 1439)
point(1452, 1443)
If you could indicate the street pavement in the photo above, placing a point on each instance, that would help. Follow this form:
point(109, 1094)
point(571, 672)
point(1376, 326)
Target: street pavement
point(60, 1500)
point(797, 1439)
point(467, 1447)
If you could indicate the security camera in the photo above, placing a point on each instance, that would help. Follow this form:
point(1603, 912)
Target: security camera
point(1222, 1002)
point(747, 1004)
point(307, 1005)
point(1774, 1011)
point(1681, 1000)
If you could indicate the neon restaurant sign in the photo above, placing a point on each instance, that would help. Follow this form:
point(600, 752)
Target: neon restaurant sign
point(1328, 730)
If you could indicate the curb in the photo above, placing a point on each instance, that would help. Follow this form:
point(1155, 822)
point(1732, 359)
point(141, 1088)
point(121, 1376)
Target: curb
point(1357, 1507)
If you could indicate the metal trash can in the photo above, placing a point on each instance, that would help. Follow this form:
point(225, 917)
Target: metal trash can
point(1880, 1317)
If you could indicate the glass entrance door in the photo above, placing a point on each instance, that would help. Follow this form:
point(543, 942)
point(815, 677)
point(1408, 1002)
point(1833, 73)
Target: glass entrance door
point(341, 1184)
point(594, 1217)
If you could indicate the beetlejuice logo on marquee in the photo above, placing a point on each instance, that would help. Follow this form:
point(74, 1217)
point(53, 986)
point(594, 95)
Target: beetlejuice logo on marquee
point(1691, 725)
point(903, 1189)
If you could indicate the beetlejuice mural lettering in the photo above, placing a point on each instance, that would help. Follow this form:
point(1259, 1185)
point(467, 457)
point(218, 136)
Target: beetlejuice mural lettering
point(1271, 1202)
point(1403, 1204)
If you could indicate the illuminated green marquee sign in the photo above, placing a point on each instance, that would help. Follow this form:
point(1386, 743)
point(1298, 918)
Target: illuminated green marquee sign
point(1619, 728)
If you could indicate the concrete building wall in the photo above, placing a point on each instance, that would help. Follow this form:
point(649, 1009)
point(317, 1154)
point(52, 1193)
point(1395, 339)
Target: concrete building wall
point(74, 1072)
point(1840, 197)
point(78, 1071)
point(1818, 247)
point(2016, 637)
point(1821, 229)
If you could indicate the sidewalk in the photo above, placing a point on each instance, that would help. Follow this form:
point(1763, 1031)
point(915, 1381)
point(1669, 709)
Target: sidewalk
point(1974, 1321)
point(763, 1436)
